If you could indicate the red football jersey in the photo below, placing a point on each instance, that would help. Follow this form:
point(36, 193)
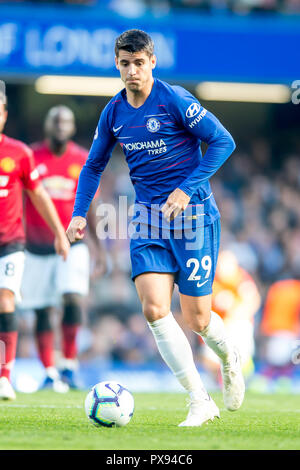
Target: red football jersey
point(17, 171)
point(59, 176)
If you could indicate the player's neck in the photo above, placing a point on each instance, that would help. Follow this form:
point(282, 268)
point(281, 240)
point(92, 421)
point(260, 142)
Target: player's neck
point(137, 98)
point(57, 148)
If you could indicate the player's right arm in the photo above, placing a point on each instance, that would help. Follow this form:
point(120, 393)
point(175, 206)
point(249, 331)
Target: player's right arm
point(89, 179)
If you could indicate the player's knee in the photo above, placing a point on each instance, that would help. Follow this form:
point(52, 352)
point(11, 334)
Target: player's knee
point(198, 320)
point(43, 320)
point(72, 309)
point(7, 301)
point(153, 311)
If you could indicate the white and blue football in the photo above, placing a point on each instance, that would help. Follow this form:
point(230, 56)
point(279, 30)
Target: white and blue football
point(109, 404)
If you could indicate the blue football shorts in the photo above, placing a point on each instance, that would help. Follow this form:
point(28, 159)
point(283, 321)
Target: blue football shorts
point(191, 256)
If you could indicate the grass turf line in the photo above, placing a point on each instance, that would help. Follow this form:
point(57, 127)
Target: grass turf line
point(47, 420)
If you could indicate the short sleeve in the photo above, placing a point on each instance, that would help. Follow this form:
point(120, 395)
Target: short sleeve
point(29, 173)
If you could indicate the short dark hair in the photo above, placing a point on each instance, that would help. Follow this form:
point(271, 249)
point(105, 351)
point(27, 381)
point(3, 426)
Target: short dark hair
point(134, 40)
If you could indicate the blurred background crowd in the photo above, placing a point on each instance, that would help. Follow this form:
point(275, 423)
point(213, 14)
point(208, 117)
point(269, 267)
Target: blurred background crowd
point(257, 192)
point(165, 6)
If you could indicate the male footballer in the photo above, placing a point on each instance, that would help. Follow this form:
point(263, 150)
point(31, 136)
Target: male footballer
point(160, 129)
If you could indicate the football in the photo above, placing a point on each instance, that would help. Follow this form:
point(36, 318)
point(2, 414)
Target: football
point(109, 404)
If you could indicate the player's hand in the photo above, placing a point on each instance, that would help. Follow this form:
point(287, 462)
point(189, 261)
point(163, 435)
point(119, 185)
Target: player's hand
point(75, 229)
point(175, 204)
point(62, 245)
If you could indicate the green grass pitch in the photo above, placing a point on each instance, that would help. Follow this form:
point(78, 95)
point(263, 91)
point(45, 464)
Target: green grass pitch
point(46, 420)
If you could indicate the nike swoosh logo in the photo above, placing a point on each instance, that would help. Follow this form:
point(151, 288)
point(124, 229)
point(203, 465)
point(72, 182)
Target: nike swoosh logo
point(117, 129)
point(202, 284)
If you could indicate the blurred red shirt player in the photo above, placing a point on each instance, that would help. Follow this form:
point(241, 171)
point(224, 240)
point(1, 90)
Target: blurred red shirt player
point(17, 172)
point(59, 161)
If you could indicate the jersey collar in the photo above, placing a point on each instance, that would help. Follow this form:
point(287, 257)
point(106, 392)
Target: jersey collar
point(147, 101)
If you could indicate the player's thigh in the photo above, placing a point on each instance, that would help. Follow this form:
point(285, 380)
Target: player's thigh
point(73, 274)
point(196, 254)
point(151, 256)
point(153, 270)
point(11, 271)
point(155, 293)
point(38, 284)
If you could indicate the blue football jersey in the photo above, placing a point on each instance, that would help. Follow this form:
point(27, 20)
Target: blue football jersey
point(161, 141)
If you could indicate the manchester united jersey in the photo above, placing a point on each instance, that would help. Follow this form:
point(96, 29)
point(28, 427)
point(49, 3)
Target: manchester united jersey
point(59, 176)
point(17, 171)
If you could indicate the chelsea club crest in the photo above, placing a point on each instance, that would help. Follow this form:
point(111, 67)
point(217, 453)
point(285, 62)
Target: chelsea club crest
point(153, 125)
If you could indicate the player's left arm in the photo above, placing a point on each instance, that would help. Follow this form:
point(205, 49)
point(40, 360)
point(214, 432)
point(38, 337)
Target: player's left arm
point(207, 128)
point(220, 147)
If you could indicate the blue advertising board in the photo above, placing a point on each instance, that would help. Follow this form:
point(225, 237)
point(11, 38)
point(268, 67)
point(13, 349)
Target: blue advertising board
point(37, 40)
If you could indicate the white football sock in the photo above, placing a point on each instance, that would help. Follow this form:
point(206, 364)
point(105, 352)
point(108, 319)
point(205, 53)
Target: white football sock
point(214, 335)
point(71, 364)
point(177, 353)
point(52, 372)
